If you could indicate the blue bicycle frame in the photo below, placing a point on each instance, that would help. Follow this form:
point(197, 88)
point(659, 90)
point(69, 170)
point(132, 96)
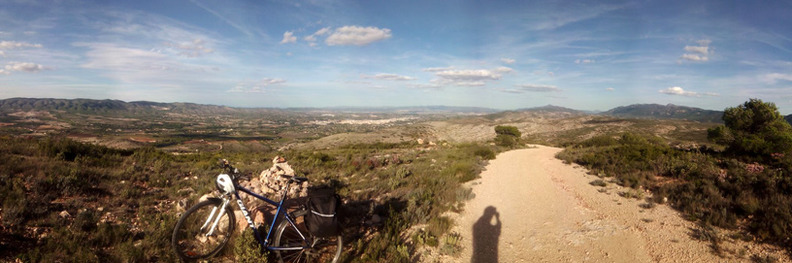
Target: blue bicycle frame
point(264, 243)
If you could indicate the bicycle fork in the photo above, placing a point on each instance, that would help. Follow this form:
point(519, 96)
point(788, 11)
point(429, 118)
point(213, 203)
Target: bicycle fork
point(217, 210)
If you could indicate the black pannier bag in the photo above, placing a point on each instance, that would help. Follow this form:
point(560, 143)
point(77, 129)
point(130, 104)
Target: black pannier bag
point(322, 218)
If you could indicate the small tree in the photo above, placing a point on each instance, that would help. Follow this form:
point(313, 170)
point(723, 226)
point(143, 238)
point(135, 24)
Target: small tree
point(754, 128)
point(507, 135)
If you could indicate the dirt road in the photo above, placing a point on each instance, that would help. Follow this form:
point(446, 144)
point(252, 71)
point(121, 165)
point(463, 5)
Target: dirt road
point(530, 207)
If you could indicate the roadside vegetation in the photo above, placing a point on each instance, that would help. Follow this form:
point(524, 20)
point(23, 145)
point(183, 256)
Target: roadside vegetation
point(507, 136)
point(64, 200)
point(743, 183)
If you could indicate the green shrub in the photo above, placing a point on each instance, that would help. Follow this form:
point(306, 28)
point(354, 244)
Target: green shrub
point(450, 244)
point(246, 248)
point(754, 128)
point(484, 152)
point(599, 141)
point(599, 182)
point(507, 136)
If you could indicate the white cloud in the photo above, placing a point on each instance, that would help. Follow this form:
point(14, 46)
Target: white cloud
point(288, 37)
point(272, 81)
point(437, 69)
point(322, 32)
point(697, 49)
point(467, 77)
point(584, 61)
point(513, 91)
point(538, 88)
point(15, 44)
point(7, 45)
point(140, 66)
point(469, 74)
point(773, 78)
point(697, 53)
point(255, 86)
point(508, 60)
point(468, 83)
point(312, 37)
point(694, 57)
point(191, 49)
point(609, 89)
point(246, 89)
point(356, 35)
point(388, 76)
point(677, 91)
point(680, 91)
point(21, 67)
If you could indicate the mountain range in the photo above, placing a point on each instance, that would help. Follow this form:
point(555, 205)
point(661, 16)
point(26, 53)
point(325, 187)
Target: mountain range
point(117, 107)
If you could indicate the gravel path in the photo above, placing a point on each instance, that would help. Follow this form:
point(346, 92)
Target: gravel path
point(530, 207)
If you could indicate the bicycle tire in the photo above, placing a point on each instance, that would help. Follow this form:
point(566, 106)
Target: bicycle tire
point(320, 250)
point(189, 240)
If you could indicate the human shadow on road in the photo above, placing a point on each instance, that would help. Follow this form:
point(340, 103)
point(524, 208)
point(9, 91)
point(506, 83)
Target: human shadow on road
point(485, 236)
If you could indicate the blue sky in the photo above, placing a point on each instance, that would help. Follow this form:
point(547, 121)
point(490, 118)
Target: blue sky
point(585, 55)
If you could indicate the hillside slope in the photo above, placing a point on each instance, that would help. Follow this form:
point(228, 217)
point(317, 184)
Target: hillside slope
point(670, 111)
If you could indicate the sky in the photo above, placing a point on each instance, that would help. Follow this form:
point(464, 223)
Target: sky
point(586, 55)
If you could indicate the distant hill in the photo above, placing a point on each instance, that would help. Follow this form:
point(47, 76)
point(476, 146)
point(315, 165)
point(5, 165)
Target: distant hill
point(404, 110)
point(106, 106)
point(670, 111)
point(788, 118)
point(552, 109)
point(137, 108)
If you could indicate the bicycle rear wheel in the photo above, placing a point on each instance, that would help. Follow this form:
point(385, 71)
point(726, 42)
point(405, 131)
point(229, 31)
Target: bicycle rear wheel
point(315, 249)
point(194, 236)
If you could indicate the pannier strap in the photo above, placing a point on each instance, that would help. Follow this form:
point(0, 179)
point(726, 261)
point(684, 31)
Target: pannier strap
point(322, 215)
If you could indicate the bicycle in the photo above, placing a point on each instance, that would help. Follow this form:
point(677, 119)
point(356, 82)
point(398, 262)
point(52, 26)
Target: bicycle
point(204, 229)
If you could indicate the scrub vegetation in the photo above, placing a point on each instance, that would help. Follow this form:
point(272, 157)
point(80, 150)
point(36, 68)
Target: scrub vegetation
point(66, 200)
point(745, 184)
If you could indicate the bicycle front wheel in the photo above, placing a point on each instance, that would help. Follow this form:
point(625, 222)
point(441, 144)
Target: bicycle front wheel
point(203, 230)
point(314, 249)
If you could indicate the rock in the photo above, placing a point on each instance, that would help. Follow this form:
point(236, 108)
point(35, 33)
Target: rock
point(64, 214)
point(181, 205)
point(420, 141)
point(205, 197)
